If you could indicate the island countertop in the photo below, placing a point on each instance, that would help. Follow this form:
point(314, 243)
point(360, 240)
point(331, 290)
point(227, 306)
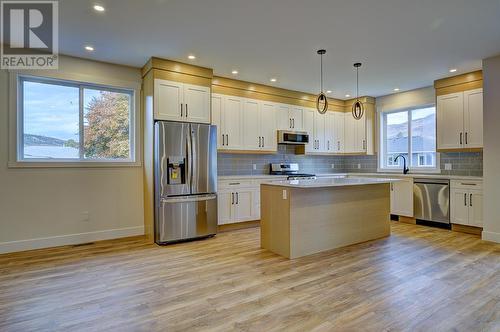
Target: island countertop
point(331, 182)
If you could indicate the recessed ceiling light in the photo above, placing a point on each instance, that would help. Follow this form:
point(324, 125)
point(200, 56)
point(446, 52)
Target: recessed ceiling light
point(347, 96)
point(89, 48)
point(191, 57)
point(453, 70)
point(328, 91)
point(99, 8)
point(234, 72)
point(273, 79)
point(396, 89)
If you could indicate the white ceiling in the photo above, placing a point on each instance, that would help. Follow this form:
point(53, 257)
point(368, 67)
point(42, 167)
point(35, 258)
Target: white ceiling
point(402, 43)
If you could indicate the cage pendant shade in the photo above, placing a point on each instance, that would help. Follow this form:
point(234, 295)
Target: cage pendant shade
point(321, 100)
point(358, 109)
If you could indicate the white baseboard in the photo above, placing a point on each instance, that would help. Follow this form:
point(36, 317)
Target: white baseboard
point(490, 236)
point(63, 240)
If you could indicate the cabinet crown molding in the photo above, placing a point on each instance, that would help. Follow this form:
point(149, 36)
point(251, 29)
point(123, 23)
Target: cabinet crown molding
point(177, 67)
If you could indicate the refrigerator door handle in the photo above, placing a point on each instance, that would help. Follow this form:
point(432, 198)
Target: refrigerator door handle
point(189, 154)
point(185, 199)
point(194, 151)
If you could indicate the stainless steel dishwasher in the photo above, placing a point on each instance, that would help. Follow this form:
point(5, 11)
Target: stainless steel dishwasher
point(432, 201)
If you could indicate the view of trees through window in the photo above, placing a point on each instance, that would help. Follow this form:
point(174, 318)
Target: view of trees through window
point(56, 125)
point(421, 144)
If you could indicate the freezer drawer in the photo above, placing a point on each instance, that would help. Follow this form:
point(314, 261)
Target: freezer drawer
point(186, 217)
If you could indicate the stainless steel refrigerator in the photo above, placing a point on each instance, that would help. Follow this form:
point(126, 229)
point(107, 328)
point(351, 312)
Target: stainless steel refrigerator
point(185, 161)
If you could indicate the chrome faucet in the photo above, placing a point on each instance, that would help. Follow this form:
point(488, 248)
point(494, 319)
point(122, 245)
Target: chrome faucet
point(405, 169)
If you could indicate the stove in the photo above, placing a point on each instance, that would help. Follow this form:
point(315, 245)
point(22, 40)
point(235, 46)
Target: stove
point(290, 169)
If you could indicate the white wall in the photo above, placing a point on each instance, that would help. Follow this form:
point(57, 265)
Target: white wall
point(41, 207)
point(412, 98)
point(491, 152)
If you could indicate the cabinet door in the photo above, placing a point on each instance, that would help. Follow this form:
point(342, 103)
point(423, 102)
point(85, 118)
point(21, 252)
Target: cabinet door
point(283, 115)
point(224, 207)
point(360, 125)
point(402, 198)
point(473, 118)
point(450, 121)
point(338, 131)
point(251, 124)
point(244, 205)
point(217, 112)
point(349, 133)
point(232, 122)
point(459, 206)
point(319, 132)
point(168, 99)
point(197, 103)
point(296, 114)
point(268, 127)
point(308, 126)
point(476, 208)
point(331, 145)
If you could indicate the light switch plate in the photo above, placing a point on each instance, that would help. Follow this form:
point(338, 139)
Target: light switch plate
point(254, 167)
point(447, 167)
point(284, 194)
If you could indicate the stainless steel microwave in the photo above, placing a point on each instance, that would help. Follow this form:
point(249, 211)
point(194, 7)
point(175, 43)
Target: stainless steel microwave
point(292, 137)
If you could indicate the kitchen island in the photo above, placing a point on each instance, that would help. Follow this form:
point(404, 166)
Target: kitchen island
point(303, 217)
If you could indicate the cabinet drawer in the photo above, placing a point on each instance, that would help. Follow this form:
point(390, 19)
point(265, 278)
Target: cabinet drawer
point(466, 184)
point(227, 184)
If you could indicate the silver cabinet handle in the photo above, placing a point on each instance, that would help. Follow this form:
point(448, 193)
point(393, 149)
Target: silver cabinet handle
point(461, 134)
point(222, 139)
point(465, 199)
point(263, 141)
point(186, 110)
point(259, 141)
point(227, 139)
point(232, 198)
point(181, 110)
point(466, 140)
point(470, 200)
point(237, 198)
point(293, 123)
point(290, 122)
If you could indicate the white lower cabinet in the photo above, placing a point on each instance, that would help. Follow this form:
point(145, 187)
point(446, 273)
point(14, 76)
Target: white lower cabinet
point(402, 197)
point(239, 199)
point(466, 203)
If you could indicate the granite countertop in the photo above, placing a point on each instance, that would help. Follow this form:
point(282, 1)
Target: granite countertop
point(390, 175)
point(331, 182)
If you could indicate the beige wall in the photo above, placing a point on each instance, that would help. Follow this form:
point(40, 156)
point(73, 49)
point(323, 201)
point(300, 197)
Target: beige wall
point(42, 207)
point(491, 152)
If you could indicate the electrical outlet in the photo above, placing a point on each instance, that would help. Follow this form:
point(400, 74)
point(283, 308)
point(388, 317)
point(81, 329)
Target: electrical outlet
point(359, 166)
point(447, 167)
point(254, 167)
point(85, 216)
point(333, 166)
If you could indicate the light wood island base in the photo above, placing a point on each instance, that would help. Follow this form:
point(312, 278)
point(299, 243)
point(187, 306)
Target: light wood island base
point(296, 222)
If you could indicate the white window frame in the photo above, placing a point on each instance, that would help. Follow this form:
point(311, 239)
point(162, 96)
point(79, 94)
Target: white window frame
point(16, 121)
point(382, 167)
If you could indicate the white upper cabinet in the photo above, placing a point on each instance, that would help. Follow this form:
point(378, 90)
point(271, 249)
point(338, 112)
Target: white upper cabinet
point(450, 112)
point(460, 120)
point(217, 104)
point(232, 122)
point(251, 124)
point(289, 117)
point(338, 131)
point(319, 132)
point(181, 102)
point(331, 145)
point(354, 134)
point(473, 118)
point(169, 101)
point(268, 126)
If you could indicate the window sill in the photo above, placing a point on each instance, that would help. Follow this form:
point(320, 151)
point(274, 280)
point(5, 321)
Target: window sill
point(412, 171)
point(70, 164)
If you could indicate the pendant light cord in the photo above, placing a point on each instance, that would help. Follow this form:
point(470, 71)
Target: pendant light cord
point(357, 83)
point(321, 73)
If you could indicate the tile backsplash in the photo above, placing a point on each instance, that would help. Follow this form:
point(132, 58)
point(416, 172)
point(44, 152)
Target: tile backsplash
point(463, 163)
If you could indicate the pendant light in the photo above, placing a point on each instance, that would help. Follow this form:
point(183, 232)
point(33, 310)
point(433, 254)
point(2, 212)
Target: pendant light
point(358, 108)
point(321, 100)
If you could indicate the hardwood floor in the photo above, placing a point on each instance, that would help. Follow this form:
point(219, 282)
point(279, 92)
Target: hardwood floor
point(418, 279)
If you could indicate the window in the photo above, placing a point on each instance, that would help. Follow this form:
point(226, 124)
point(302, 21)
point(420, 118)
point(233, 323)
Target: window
point(63, 121)
point(412, 134)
